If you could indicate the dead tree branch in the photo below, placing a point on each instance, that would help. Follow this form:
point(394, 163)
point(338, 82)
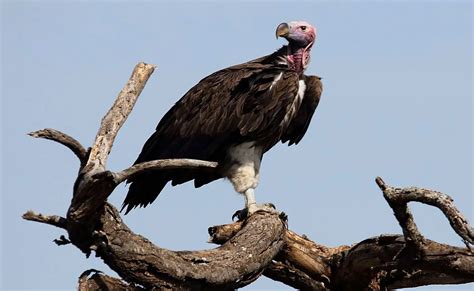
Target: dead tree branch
point(387, 261)
point(260, 244)
point(398, 199)
point(89, 193)
point(64, 139)
point(161, 164)
point(53, 220)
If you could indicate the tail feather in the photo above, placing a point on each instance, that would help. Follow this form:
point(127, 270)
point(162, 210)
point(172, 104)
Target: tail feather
point(146, 187)
point(143, 190)
point(206, 178)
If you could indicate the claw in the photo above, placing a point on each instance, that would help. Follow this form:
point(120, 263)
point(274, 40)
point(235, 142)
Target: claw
point(240, 214)
point(236, 214)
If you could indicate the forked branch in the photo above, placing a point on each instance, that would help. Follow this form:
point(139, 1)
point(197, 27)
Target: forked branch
point(398, 198)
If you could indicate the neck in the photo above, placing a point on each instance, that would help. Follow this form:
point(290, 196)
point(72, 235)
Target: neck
point(298, 57)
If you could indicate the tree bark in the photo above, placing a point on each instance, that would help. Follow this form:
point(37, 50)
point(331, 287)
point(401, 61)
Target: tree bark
point(256, 245)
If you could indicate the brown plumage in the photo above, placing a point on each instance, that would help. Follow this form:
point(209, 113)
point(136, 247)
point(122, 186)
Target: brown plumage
point(251, 102)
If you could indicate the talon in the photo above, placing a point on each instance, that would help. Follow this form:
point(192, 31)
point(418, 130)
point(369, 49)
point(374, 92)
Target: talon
point(240, 214)
point(284, 218)
point(236, 214)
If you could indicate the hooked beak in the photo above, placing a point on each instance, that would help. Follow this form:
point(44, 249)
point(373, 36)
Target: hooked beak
point(283, 30)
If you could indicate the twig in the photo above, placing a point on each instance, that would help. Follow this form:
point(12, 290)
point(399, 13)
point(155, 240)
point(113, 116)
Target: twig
point(161, 164)
point(403, 215)
point(55, 220)
point(64, 139)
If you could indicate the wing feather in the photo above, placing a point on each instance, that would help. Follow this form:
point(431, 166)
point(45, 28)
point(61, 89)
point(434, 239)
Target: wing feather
point(300, 123)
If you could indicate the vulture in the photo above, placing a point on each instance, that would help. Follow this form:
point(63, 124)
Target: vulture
point(233, 117)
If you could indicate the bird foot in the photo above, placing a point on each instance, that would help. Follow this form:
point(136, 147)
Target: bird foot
point(252, 208)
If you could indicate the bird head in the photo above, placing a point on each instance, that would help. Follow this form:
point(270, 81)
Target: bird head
point(298, 33)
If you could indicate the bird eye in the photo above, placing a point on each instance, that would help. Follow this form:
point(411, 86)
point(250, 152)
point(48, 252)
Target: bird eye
point(303, 28)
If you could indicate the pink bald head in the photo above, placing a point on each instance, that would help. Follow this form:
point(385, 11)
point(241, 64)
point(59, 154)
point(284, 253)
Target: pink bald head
point(301, 36)
point(298, 33)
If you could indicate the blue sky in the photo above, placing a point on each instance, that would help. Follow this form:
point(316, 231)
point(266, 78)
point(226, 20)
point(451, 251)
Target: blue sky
point(397, 103)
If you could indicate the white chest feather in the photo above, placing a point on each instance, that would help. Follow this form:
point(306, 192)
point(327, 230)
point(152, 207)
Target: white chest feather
point(301, 90)
point(296, 102)
point(245, 154)
point(277, 78)
point(245, 159)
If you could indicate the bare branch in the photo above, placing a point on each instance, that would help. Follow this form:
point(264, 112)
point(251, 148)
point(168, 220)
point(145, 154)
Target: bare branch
point(64, 139)
point(97, 186)
point(235, 264)
point(54, 220)
point(94, 183)
point(161, 164)
point(387, 260)
point(381, 261)
point(301, 263)
point(403, 215)
point(117, 115)
point(399, 197)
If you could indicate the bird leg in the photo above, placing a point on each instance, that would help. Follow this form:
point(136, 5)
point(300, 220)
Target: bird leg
point(251, 206)
point(250, 203)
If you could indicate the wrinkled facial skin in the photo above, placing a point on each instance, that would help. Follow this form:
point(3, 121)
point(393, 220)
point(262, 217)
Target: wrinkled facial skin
point(298, 33)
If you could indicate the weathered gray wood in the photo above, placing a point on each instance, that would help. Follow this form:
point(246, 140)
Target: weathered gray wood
point(161, 164)
point(233, 265)
point(54, 220)
point(89, 192)
point(388, 261)
point(398, 198)
point(64, 139)
point(117, 115)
